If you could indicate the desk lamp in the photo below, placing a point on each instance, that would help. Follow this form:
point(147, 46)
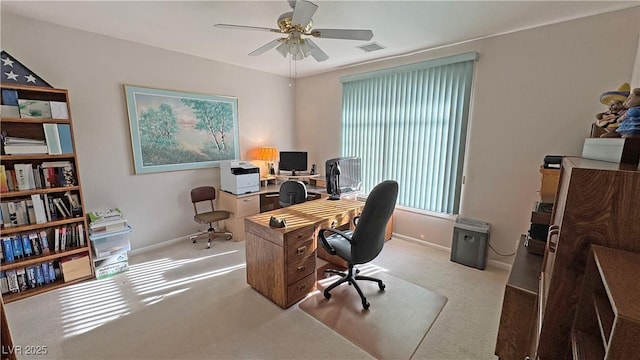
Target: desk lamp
point(268, 154)
point(334, 173)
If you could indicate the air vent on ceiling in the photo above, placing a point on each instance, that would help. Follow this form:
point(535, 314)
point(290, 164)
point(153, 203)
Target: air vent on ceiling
point(374, 46)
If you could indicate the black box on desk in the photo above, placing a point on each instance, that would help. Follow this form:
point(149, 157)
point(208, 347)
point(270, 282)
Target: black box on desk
point(470, 242)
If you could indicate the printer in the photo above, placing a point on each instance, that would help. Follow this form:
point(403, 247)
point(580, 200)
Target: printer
point(239, 177)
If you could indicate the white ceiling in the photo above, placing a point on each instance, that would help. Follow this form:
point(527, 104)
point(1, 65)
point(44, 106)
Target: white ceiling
point(400, 26)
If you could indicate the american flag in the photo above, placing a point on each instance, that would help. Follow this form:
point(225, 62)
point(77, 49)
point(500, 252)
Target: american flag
point(13, 72)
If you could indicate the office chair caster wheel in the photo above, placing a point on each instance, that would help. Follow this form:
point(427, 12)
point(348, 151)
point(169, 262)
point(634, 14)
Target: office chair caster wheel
point(228, 237)
point(327, 295)
point(193, 241)
point(365, 305)
point(381, 286)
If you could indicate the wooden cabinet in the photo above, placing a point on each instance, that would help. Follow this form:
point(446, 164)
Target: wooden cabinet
point(62, 182)
point(596, 204)
point(281, 265)
point(518, 319)
point(240, 207)
point(607, 322)
point(281, 262)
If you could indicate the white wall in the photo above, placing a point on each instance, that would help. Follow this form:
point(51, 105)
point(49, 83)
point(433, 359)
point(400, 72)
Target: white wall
point(94, 69)
point(535, 93)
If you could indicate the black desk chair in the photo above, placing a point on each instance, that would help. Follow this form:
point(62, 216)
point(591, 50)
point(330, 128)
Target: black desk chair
point(292, 192)
point(208, 193)
point(366, 241)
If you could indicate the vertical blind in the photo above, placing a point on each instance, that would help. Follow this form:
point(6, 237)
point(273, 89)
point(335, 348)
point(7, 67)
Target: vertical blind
point(409, 124)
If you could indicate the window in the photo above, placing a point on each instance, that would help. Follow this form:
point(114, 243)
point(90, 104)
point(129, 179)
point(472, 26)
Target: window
point(409, 123)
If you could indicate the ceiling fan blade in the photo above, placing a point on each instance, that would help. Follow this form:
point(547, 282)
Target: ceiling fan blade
point(316, 52)
point(243, 27)
point(342, 34)
point(266, 47)
point(303, 12)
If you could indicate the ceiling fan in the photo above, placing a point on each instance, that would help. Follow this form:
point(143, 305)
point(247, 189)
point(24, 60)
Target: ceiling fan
point(296, 25)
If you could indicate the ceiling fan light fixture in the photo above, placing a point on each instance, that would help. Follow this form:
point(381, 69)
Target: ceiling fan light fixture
point(283, 48)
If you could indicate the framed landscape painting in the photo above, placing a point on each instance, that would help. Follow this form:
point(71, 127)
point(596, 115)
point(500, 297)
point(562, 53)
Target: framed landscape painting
point(172, 130)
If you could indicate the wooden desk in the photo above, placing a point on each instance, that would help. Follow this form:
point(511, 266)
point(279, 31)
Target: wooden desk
point(281, 263)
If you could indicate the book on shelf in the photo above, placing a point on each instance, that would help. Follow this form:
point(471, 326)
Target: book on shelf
point(52, 138)
point(12, 281)
point(25, 149)
point(4, 185)
point(23, 283)
point(31, 277)
point(59, 110)
point(34, 109)
point(62, 207)
point(16, 241)
point(4, 286)
point(39, 275)
point(7, 249)
point(24, 174)
point(14, 140)
point(10, 97)
point(45, 272)
point(13, 213)
point(35, 243)
point(39, 209)
point(10, 111)
point(44, 242)
point(27, 250)
point(31, 213)
point(64, 136)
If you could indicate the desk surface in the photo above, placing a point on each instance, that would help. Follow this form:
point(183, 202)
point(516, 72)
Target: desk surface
point(274, 189)
point(306, 213)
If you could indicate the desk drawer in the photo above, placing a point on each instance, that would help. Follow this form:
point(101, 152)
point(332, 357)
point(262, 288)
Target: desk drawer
point(300, 269)
point(247, 205)
point(299, 289)
point(298, 250)
point(299, 235)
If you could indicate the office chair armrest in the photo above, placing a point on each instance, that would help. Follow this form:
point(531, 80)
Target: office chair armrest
point(326, 244)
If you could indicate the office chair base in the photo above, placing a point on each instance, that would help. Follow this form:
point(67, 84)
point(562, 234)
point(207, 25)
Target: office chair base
point(350, 278)
point(211, 232)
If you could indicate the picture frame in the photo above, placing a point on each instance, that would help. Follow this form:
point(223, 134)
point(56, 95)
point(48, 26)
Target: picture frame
point(175, 130)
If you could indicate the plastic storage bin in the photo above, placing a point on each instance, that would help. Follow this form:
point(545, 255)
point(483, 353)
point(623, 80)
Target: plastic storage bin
point(470, 242)
point(111, 243)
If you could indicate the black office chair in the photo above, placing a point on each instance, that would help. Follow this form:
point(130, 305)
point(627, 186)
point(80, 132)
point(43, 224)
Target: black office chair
point(208, 193)
point(292, 192)
point(365, 242)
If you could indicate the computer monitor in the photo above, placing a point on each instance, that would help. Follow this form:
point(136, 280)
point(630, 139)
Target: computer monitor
point(293, 161)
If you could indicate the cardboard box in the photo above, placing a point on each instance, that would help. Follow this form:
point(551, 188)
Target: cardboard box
point(112, 265)
point(75, 267)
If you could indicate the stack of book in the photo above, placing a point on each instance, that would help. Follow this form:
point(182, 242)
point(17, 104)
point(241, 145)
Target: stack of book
point(106, 221)
point(17, 145)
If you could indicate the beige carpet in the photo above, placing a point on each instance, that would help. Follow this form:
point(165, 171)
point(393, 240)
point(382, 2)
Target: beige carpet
point(395, 324)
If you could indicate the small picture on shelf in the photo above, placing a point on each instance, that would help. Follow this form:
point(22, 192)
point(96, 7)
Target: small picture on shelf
point(34, 109)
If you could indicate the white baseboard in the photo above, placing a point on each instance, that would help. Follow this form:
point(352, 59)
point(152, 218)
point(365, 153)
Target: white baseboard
point(490, 262)
point(159, 245)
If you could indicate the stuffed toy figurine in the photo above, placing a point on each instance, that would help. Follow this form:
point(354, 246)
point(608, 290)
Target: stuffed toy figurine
point(630, 124)
point(609, 119)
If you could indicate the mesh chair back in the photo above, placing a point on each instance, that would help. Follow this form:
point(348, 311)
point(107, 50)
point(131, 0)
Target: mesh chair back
point(292, 192)
point(368, 237)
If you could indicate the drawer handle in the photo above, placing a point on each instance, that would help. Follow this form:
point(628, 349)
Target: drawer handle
point(301, 287)
point(301, 268)
point(550, 243)
point(247, 200)
point(301, 250)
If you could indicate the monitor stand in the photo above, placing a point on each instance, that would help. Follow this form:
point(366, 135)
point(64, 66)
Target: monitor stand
point(334, 197)
point(293, 173)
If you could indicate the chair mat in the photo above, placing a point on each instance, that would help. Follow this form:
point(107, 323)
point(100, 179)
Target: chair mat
point(395, 324)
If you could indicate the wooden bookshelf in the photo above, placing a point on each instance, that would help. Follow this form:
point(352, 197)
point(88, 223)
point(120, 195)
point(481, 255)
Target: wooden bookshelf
point(33, 128)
